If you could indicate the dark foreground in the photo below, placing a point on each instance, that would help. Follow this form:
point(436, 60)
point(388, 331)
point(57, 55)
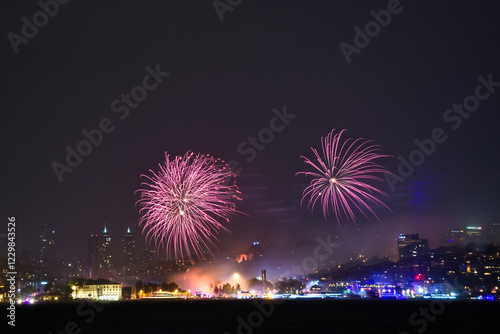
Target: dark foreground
point(259, 316)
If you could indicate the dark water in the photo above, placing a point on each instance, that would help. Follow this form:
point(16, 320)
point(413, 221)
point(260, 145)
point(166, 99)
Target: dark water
point(251, 316)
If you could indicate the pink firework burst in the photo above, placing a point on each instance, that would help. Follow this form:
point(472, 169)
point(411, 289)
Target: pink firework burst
point(340, 177)
point(184, 202)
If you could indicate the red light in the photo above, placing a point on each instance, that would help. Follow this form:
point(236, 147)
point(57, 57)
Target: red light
point(417, 277)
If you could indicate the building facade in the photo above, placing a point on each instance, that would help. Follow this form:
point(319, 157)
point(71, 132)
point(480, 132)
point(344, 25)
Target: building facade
point(99, 289)
point(410, 246)
point(93, 256)
point(105, 254)
point(47, 247)
point(128, 243)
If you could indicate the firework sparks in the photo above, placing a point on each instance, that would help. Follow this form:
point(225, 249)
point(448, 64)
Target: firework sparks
point(340, 176)
point(184, 202)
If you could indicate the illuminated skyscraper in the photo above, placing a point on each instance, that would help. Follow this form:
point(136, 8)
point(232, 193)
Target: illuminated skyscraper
point(457, 238)
point(93, 256)
point(128, 243)
point(105, 254)
point(494, 233)
point(474, 233)
point(47, 249)
point(150, 255)
point(410, 245)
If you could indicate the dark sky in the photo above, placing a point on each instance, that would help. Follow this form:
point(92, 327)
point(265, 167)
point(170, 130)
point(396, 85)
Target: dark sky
point(225, 79)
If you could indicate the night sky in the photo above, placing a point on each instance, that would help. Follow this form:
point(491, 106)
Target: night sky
point(225, 78)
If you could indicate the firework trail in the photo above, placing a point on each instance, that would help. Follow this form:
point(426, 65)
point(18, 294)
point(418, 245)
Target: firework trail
point(340, 175)
point(183, 202)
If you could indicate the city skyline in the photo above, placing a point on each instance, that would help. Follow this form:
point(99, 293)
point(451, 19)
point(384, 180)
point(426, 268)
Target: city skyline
point(126, 247)
point(462, 253)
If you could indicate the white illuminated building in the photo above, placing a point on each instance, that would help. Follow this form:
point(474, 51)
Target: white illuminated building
point(99, 289)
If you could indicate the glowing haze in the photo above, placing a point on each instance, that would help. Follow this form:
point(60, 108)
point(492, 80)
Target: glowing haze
point(340, 177)
point(204, 278)
point(183, 203)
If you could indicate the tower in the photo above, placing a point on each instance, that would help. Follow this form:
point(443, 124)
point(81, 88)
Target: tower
point(93, 256)
point(474, 233)
point(47, 249)
point(150, 255)
point(410, 245)
point(105, 251)
point(264, 278)
point(128, 243)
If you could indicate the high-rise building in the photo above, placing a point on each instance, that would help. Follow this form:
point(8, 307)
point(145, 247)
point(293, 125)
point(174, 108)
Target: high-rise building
point(264, 279)
point(150, 255)
point(128, 243)
point(105, 253)
point(474, 233)
point(93, 256)
point(494, 233)
point(410, 245)
point(47, 249)
point(457, 238)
